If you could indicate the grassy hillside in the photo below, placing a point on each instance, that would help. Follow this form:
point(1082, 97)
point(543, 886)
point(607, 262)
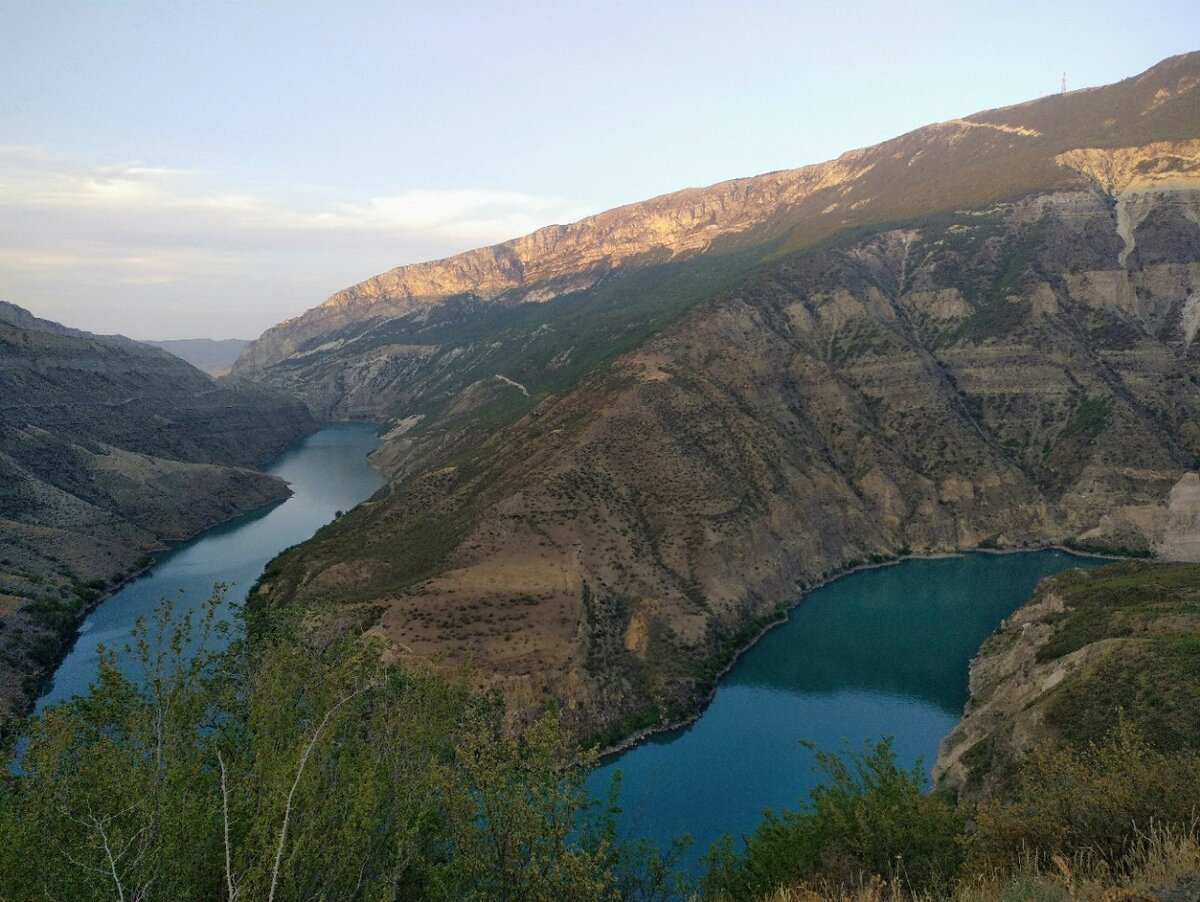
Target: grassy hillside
point(1089, 643)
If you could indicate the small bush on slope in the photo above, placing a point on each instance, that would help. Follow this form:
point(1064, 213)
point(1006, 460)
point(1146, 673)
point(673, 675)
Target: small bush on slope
point(1100, 798)
point(870, 817)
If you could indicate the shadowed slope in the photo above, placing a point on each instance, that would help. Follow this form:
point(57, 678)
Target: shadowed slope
point(978, 338)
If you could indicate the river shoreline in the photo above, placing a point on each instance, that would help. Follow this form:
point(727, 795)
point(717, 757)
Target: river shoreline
point(45, 680)
point(880, 656)
point(302, 469)
point(609, 752)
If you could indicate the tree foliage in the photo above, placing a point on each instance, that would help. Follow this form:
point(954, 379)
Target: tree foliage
point(1101, 797)
point(869, 817)
point(304, 769)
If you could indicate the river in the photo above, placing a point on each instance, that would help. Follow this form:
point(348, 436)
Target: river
point(879, 652)
point(328, 472)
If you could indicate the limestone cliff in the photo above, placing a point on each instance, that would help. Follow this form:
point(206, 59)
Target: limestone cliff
point(559, 259)
point(967, 338)
point(1088, 643)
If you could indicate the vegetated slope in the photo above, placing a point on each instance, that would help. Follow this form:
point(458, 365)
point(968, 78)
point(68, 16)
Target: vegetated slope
point(214, 356)
point(108, 449)
point(1089, 642)
point(977, 334)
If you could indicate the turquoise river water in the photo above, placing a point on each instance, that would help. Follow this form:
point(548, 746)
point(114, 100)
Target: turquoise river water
point(879, 652)
point(328, 472)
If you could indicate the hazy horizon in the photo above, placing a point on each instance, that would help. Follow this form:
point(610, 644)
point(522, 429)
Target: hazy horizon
point(172, 171)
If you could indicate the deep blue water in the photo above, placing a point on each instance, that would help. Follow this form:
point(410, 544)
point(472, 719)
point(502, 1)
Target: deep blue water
point(880, 652)
point(328, 472)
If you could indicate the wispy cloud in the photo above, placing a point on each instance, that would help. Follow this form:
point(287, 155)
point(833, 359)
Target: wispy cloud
point(460, 213)
point(35, 176)
point(159, 251)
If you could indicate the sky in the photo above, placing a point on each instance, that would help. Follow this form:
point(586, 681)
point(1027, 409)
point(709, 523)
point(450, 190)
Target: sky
point(180, 169)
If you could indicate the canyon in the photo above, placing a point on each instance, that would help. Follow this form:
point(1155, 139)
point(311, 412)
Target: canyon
point(617, 450)
point(110, 450)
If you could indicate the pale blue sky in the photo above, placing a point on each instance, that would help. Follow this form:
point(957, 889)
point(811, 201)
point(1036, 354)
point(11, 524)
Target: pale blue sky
point(179, 169)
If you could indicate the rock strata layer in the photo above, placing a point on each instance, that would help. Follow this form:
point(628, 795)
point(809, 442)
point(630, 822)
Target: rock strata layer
point(978, 334)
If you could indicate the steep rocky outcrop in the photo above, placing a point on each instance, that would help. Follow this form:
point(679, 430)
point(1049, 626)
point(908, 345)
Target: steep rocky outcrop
point(1088, 643)
point(980, 333)
point(109, 449)
point(559, 259)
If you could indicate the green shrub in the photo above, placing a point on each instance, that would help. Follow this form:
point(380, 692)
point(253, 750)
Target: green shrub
point(1098, 798)
point(1090, 416)
point(869, 816)
point(57, 616)
point(301, 768)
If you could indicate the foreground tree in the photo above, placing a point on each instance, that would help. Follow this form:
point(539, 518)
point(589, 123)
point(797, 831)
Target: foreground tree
point(869, 817)
point(301, 769)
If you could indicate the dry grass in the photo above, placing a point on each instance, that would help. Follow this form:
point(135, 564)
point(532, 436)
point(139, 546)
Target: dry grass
point(1157, 860)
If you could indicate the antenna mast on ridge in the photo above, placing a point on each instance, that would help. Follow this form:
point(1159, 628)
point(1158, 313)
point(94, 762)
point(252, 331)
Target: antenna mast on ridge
point(1064, 87)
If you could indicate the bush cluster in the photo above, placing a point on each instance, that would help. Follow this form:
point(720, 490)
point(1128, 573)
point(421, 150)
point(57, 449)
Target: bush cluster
point(303, 768)
point(300, 769)
point(1112, 809)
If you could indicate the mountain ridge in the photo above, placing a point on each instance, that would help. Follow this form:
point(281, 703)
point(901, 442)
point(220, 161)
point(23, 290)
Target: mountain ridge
point(214, 356)
point(602, 496)
point(508, 267)
point(515, 264)
point(18, 317)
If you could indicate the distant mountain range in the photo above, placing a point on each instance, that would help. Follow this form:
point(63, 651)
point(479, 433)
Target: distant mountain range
point(214, 356)
point(108, 450)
